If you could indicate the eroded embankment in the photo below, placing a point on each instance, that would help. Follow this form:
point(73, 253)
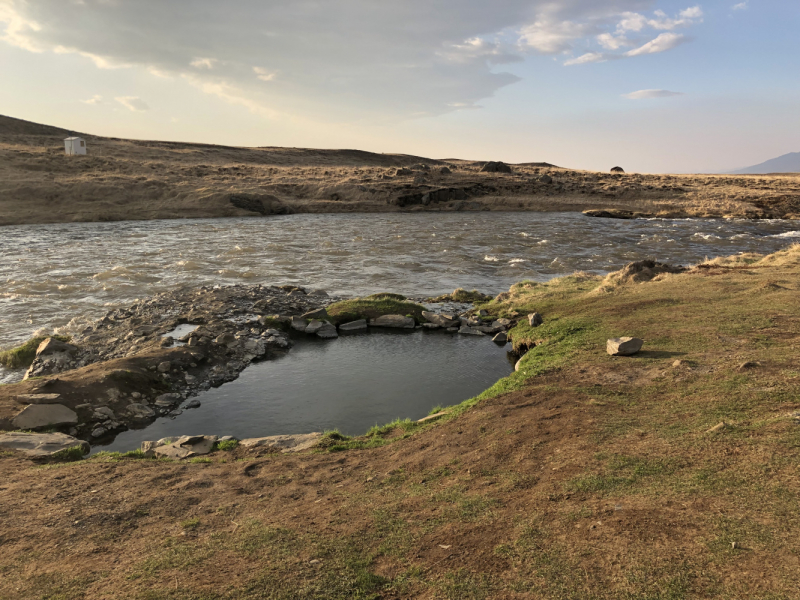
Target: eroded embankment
point(668, 474)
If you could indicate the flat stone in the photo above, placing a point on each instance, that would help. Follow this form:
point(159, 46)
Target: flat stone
point(38, 399)
point(501, 338)
point(314, 326)
point(535, 319)
point(327, 331)
point(284, 443)
point(624, 346)
point(37, 416)
point(103, 413)
point(227, 438)
point(431, 326)
point(140, 411)
point(359, 325)
point(98, 432)
point(192, 404)
point(167, 400)
point(187, 446)
point(470, 331)
point(318, 293)
point(299, 324)
point(41, 444)
point(442, 320)
point(320, 313)
point(255, 346)
point(164, 367)
point(394, 321)
point(504, 323)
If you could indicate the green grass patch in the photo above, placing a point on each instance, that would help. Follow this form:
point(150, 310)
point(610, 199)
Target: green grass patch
point(69, 454)
point(191, 524)
point(117, 456)
point(225, 445)
point(22, 356)
point(372, 308)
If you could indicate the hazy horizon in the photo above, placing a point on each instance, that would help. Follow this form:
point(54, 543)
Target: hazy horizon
point(654, 86)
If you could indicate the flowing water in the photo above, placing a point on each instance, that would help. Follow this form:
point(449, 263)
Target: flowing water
point(59, 276)
point(349, 384)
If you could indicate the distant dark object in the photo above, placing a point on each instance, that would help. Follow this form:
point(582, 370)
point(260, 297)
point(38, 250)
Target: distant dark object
point(617, 170)
point(495, 167)
point(445, 171)
point(546, 179)
point(264, 204)
point(538, 164)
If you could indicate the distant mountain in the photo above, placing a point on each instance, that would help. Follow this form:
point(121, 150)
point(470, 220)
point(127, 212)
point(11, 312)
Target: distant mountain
point(788, 163)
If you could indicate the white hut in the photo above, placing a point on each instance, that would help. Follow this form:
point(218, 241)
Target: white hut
point(75, 145)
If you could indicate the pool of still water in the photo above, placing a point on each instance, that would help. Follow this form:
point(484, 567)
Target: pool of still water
point(349, 384)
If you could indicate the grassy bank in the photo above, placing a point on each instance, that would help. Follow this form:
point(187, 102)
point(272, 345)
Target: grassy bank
point(670, 474)
point(22, 356)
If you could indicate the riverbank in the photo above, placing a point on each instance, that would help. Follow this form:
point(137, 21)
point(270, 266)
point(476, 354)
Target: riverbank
point(144, 180)
point(672, 473)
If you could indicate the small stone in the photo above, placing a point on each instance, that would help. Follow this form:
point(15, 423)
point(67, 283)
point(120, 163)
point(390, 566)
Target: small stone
point(192, 404)
point(442, 320)
point(535, 319)
point(431, 326)
point(501, 338)
point(327, 331)
point(98, 432)
point(470, 331)
point(299, 324)
point(103, 413)
point(167, 400)
point(624, 346)
point(140, 411)
point(394, 321)
point(314, 326)
point(164, 367)
point(718, 427)
point(38, 399)
point(225, 338)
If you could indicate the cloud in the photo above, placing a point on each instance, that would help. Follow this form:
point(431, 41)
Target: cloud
point(647, 94)
point(589, 57)
point(740, 6)
point(133, 103)
point(96, 99)
point(263, 74)
point(664, 42)
point(204, 63)
point(339, 60)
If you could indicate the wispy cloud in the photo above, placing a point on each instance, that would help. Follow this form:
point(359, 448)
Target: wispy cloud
point(96, 99)
point(647, 94)
point(263, 74)
point(204, 63)
point(740, 6)
point(133, 103)
point(664, 42)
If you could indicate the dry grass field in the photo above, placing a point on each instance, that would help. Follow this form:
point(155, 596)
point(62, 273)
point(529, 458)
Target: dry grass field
point(130, 179)
point(667, 475)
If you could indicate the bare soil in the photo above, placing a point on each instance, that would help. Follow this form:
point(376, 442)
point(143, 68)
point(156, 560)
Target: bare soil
point(136, 179)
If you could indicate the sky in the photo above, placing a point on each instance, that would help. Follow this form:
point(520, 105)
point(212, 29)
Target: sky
point(649, 85)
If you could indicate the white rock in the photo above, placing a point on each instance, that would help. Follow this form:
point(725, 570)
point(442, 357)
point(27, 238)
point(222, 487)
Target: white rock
point(624, 346)
point(284, 443)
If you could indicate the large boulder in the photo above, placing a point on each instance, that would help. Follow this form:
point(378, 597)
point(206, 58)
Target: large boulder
point(495, 167)
point(442, 320)
point(284, 443)
point(535, 319)
point(39, 416)
point(617, 170)
point(624, 346)
point(395, 321)
point(41, 444)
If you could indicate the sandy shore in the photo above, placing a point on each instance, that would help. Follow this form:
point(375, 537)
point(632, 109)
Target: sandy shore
point(130, 179)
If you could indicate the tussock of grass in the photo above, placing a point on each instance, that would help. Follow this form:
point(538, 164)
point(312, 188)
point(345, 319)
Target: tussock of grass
point(462, 295)
point(22, 356)
point(371, 308)
point(69, 454)
point(225, 445)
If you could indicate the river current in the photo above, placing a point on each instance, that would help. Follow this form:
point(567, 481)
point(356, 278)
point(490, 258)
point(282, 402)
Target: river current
point(58, 277)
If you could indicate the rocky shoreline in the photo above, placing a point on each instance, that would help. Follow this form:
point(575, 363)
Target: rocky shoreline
point(149, 360)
